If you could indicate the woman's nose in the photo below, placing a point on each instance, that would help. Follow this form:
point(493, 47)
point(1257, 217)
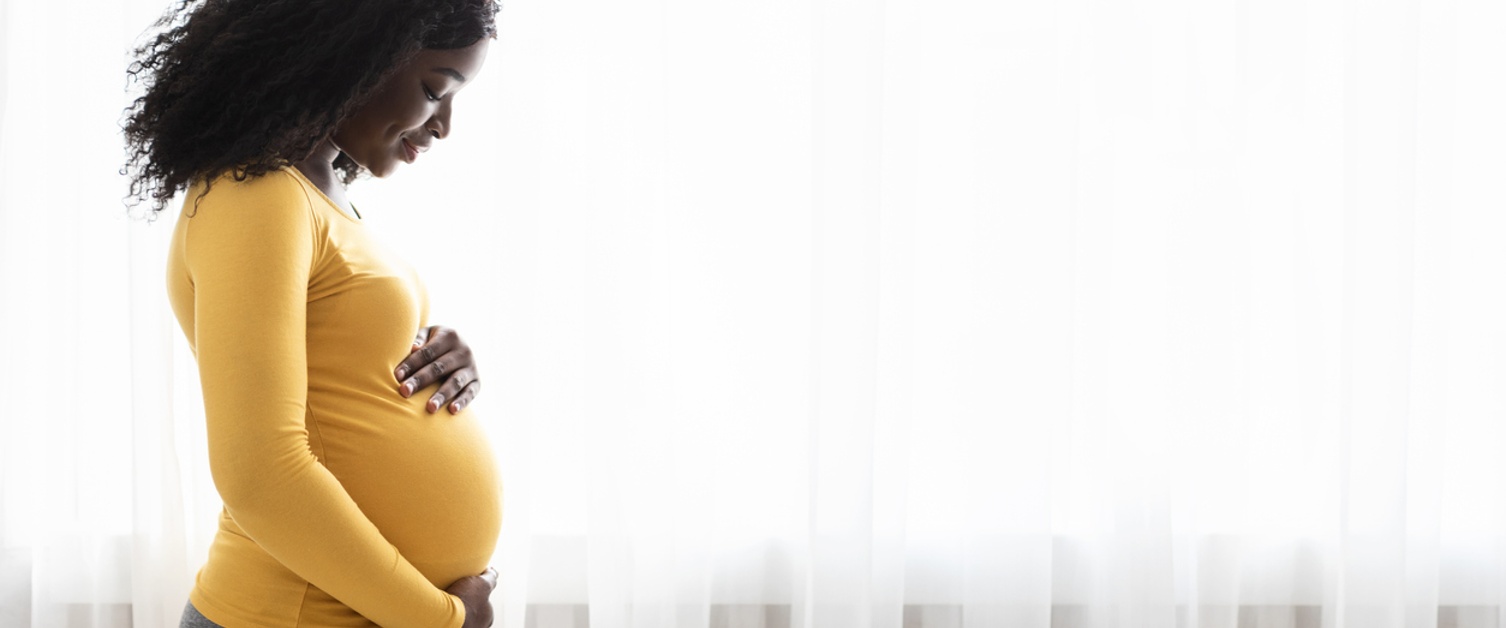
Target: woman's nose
point(439, 125)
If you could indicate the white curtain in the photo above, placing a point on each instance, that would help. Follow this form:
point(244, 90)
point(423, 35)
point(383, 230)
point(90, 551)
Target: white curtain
point(825, 314)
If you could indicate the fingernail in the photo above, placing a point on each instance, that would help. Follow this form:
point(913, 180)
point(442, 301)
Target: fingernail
point(459, 405)
point(408, 387)
point(402, 371)
point(438, 401)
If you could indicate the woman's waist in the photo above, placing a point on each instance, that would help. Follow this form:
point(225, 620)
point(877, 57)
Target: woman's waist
point(237, 559)
point(246, 586)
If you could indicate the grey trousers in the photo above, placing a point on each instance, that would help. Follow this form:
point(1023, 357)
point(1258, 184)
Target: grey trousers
point(192, 618)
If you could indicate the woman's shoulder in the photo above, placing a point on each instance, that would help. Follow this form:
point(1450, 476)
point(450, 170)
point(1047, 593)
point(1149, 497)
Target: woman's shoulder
point(236, 190)
point(269, 212)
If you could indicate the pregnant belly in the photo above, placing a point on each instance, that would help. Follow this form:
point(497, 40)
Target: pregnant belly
point(428, 481)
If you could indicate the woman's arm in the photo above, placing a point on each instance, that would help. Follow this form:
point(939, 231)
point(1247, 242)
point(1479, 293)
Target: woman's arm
point(250, 255)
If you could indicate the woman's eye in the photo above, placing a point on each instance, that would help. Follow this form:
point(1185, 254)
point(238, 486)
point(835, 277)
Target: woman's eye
point(430, 95)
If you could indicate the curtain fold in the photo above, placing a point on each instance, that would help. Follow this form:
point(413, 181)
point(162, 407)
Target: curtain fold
point(839, 314)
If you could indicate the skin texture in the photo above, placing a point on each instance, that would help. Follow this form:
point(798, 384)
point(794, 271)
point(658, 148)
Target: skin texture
point(439, 355)
point(476, 592)
point(401, 108)
point(414, 105)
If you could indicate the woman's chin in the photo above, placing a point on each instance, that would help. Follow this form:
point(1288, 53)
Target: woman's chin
point(381, 170)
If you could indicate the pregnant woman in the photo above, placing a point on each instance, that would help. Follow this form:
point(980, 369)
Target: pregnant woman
point(349, 498)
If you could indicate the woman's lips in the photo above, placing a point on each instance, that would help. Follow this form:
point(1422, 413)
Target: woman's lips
point(409, 152)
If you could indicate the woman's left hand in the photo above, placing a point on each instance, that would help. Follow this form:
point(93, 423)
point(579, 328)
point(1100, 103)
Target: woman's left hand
point(438, 354)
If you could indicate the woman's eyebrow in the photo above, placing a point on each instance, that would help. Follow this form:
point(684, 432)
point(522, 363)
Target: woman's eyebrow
point(450, 72)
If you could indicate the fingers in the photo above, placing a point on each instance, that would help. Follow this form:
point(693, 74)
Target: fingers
point(426, 347)
point(422, 338)
point(475, 593)
point(438, 342)
point(441, 356)
point(465, 397)
point(453, 390)
point(443, 367)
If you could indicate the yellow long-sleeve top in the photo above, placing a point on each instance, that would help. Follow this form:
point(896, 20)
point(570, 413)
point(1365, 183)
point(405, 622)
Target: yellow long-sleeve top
point(345, 503)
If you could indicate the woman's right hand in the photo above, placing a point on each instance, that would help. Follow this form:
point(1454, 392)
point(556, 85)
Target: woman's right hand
point(475, 592)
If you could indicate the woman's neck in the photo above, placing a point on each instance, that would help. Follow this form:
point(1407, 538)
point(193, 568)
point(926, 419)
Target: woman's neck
point(319, 169)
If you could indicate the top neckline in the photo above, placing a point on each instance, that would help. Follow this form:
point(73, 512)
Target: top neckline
point(299, 173)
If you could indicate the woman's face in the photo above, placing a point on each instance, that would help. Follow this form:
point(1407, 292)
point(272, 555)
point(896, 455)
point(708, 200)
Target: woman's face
point(410, 110)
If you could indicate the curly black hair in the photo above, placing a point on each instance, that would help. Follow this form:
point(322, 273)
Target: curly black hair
point(254, 85)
